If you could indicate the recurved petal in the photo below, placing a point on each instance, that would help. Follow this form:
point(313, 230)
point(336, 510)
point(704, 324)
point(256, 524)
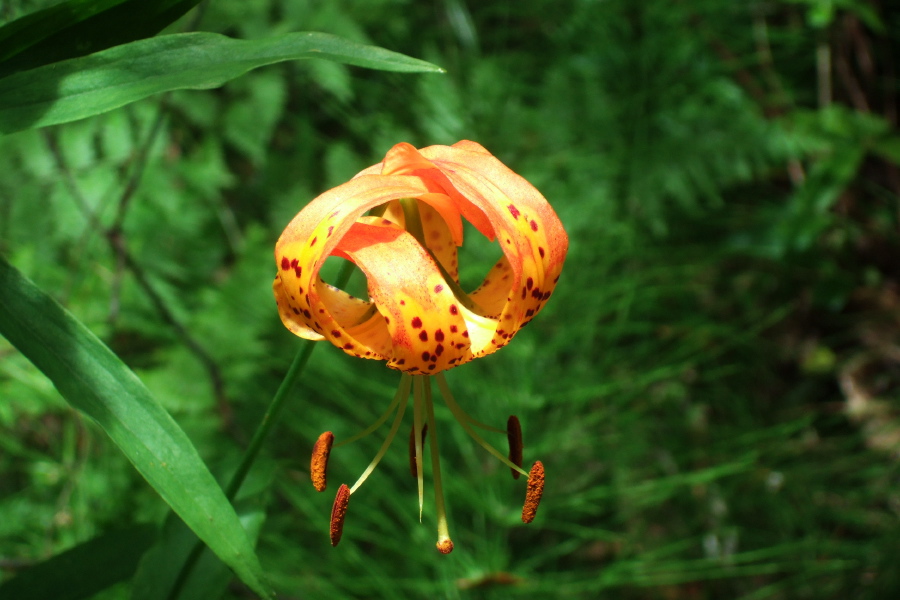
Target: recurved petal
point(307, 306)
point(424, 318)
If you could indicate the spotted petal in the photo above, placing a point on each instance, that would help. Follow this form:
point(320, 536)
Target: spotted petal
point(418, 319)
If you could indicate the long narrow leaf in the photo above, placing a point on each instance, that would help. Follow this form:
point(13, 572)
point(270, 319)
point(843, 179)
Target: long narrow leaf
point(78, 27)
point(94, 380)
point(82, 87)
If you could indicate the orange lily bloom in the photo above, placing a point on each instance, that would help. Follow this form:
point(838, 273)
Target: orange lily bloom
point(400, 223)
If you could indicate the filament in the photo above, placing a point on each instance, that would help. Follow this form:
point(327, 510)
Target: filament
point(402, 392)
point(460, 416)
point(400, 395)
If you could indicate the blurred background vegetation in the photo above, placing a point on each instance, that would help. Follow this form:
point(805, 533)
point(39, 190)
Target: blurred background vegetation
point(714, 388)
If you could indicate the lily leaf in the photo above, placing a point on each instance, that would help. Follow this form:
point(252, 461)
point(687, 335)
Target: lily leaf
point(93, 379)
point(86, 86)
point(79, 27)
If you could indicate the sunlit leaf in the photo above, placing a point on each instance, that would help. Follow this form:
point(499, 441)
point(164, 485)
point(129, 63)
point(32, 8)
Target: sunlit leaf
point(82, 87)
point(94, 380)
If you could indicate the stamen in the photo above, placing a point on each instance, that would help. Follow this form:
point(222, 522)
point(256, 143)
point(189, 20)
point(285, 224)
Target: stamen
point(414, 448)
point(403, 392)
point(514, 435)
point(534, 493)
point(318, 464)
point(460, 416)
point(338, 512)
point(444, 544)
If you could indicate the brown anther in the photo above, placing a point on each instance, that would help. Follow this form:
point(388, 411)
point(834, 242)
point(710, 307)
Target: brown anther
point(412, 448)
point(514, 435)
point(338, 512)
point(319, 462)
point(535, 490)
point(445, 546)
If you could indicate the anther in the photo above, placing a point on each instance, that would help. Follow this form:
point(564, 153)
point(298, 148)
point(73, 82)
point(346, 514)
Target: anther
point(514, 434)
point(338, 512)
point(319, 462)
point(535, 490)
point(412, 448)
point(445, 546)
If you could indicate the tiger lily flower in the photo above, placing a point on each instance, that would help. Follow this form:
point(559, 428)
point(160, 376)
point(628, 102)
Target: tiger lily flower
point(400, 223)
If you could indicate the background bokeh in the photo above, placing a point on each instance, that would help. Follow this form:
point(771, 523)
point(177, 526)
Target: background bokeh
point(714, 388)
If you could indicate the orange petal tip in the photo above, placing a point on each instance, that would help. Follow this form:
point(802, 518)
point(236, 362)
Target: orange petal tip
point(534, 493)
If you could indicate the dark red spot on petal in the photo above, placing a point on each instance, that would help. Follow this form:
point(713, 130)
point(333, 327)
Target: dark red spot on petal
point(423, 336)
point(294, 263)
point(465, 334)
point(307, 314)
point(348, 346)
point(335, 333)
point(513, 211)
point(439, 349)
point(313, 242)
point(298, 271)
point(401, 361)
point(541, 251)
point(285, 263)
point(453, 329)
point(439, 335)
point(529, 283)
point(454, 310)
point(426, 356)
point(438, 288)
point(300, 291)
point(534, 226)
point(416, 322)
point(296, 312)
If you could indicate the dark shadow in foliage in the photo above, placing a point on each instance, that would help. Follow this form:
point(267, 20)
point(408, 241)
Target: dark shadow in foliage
point(84, 570)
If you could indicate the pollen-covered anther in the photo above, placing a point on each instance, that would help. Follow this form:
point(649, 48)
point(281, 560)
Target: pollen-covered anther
point(534, 493)
point(445, 545)
point(338, 512)
point(514, 435)
point(318, 464)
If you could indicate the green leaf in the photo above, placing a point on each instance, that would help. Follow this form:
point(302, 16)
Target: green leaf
point(94, 380)
point(86, 569)
point(82, 87)
point(80, 27)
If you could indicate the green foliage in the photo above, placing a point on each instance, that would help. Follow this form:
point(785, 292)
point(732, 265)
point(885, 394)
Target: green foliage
point(713, 387)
